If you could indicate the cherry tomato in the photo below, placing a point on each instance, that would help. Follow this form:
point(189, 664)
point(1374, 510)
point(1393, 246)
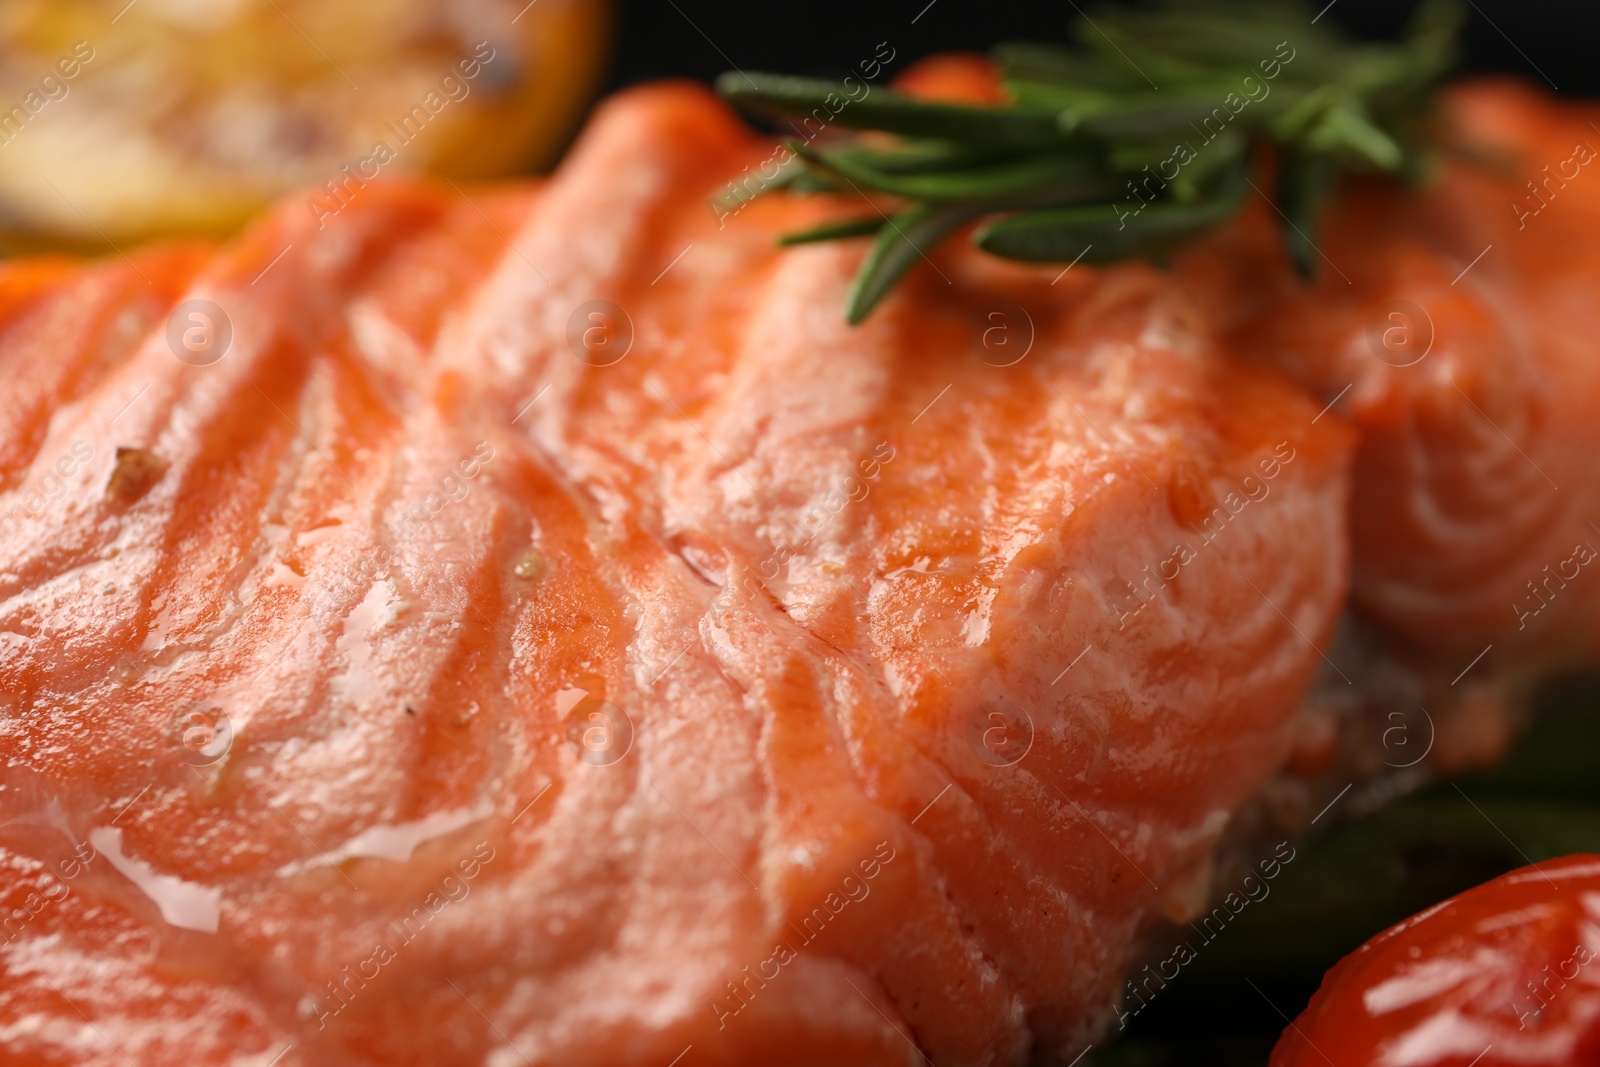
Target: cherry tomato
point(1507, 973)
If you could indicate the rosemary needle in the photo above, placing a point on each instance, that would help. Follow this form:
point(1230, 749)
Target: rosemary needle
point(1085, 155)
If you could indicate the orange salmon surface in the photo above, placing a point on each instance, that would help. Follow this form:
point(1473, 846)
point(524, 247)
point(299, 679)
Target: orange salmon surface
point(1455, 327)
point(529, 625)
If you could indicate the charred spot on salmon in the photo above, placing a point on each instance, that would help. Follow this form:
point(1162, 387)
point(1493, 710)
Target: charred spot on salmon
point(1189, 495)
point(136, 473)
point(1088, 159)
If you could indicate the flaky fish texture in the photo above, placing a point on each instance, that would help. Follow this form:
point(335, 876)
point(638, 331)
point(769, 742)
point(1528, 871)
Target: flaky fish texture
point(1456, 327)
point(429, 679)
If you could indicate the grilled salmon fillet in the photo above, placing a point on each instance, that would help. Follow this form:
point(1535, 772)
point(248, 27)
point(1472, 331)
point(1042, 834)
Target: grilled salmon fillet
point(548, 634)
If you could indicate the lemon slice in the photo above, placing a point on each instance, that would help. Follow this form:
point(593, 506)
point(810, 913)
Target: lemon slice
point(120, 121)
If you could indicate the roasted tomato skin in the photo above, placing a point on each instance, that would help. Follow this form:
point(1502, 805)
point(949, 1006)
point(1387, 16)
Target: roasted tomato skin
point(1506, 974)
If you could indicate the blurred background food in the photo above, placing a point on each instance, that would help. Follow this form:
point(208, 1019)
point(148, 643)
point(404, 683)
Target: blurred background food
point(120, 121)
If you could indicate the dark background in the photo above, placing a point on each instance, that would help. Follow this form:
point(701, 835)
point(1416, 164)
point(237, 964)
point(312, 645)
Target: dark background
point(701, 38)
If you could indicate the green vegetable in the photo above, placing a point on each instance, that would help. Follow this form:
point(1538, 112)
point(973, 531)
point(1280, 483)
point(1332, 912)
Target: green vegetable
point(1342, 889)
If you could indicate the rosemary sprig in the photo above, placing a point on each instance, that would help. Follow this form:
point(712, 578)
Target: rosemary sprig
point(1135, 141)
